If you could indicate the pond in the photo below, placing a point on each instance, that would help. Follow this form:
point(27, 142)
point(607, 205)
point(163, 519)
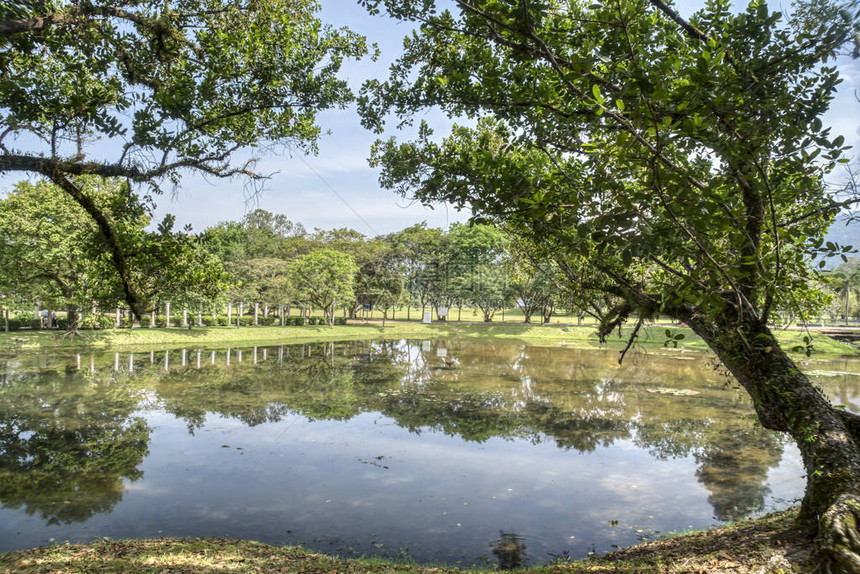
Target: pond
point(454, 451)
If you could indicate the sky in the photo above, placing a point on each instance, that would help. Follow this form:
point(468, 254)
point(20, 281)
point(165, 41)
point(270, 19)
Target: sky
point(337, 188)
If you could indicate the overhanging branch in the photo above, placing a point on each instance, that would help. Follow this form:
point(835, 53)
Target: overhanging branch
point(214, 165)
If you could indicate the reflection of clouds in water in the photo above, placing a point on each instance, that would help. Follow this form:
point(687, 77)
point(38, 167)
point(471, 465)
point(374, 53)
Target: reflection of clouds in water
point(544, 443)
point(388, 480)
point(210, 514)
point(627, 487)
point(788, 479)
point(140, 488)
point(362, 503)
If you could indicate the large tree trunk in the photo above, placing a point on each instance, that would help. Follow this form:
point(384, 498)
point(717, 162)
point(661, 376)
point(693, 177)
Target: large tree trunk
point(828, 439)
point(72, 322)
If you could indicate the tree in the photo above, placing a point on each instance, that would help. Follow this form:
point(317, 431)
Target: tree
point(51, 251)
point(260, 234)
point(178, 269)
point(379, 283)
point(369, 256)
point(475, 267)
point(845, 279)
point(324, 278)
point(675, 164)
point(488, 289)
point(422, 252)
point(264, 280)
point(535, 288)
point(44, 250)
point(171, 86)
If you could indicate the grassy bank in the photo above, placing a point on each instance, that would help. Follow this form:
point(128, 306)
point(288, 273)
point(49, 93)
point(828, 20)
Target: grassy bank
point(766, 545)
point(651, 338)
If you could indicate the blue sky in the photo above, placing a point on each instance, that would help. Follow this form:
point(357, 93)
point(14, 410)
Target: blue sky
point(336, 188)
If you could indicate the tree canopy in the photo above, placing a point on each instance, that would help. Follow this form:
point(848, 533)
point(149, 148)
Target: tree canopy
point(50, 249)
point(677, 164)
point(166, 86)
point(324, 278)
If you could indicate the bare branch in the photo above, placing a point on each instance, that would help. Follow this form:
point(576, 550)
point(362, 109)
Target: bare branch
point(631, 339)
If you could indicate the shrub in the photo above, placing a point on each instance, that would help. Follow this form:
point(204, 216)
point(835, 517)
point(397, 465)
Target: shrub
point(160, 321)
point(340, 320)
point(96, 322)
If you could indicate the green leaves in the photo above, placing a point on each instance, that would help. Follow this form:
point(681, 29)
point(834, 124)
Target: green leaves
point(324, 277)
point(627, 146)
point(168, 87)
point(806, 348)
point(201, 79)
point(672, 339)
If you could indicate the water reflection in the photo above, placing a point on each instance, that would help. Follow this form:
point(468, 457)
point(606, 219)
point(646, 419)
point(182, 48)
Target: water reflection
point(510, 550)
point(561, 425)
point(67, 445)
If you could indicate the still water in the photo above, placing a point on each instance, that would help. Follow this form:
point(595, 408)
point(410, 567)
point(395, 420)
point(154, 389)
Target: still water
point(464, 452)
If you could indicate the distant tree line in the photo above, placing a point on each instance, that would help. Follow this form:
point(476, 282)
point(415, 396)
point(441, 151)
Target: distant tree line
point(266, 269)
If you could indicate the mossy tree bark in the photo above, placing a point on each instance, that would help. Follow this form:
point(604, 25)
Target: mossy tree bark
point(828, 439)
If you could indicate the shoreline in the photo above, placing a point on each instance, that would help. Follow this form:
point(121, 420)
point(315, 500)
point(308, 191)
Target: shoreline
point(651, 338)
point(772, 543)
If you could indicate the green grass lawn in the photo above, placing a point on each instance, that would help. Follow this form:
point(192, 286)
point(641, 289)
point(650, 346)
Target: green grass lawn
point(652, 337)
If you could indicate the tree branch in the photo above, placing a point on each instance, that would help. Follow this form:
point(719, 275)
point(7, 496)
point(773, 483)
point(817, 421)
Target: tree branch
point(10, 28)
point(45, 166)
point(134, 299)
point(695, 33)
point(631, 339)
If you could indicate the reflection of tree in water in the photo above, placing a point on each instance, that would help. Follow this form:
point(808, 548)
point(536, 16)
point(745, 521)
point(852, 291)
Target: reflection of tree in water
point(319, 381)
point(510, 549)
point(589, 410)
point(499, 390)
point(734, 469)
point(733, 452)
point(575, 399)
point(66, 444)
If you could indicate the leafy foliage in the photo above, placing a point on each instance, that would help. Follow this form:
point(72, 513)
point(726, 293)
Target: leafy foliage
point(676, 164)
point(172, 86)
point(52, 251)
point(324, 277)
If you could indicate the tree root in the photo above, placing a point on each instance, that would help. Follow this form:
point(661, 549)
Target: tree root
point(838, 538)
